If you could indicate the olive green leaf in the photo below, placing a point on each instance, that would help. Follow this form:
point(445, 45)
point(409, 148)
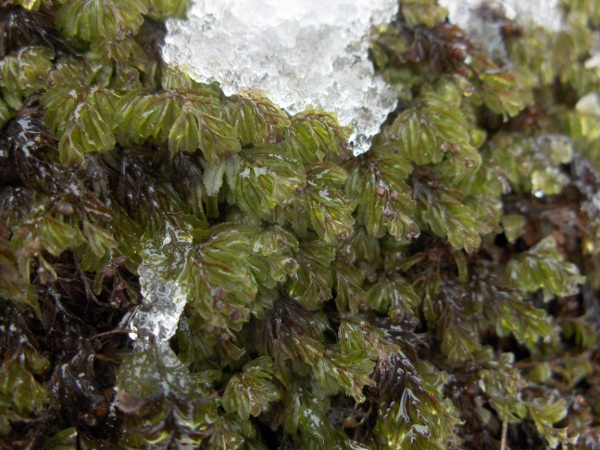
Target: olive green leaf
point(314, 134)
point(382, 198)
point(423, 12)
point(411, 412)
point(256, 120)
point(89, 20)
point(188, 120)
point(24, 72)
point(251, 391)
point(276, 247)
point(358, 337)
point(393, 295)
point(313, 281)
point(501, 92)
point(429, 129)
point(31, 5)
point(350, 373)
point(543, 267)
point(160, 10)
point(266, 179)
point(349, 280)
point(217, 277)
point(329, 211)
point(545, 412)
point(158, 396)
point(83, 119)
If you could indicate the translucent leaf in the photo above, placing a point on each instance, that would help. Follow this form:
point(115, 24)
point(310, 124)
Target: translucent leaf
point(162, 9)
point(330, 212)
point(543, 267)
point(5, 114)
point(230, 433)
point(446, 213)
point(12, 284)
point(186, 119)
point(83, 118)
point(290, 334)
point(393, 295)
point(158, 397)
point(411, 412)
point(501, 93)
point(503, 384)
point(19, 384)
point(277, 247)
point(217, 278)
point(267, 178)
point(96, 19)
point(426, 13)
point(504, 307)
point(430, 129)
point(256, 120)
point(31, 5)
point(305, 413)
point(358, 337)
point(69, 71)
point(250, 392)
point(382, 199)
point(213, 177)
point(63, 440)
point(24, 72)
point(349, 280)
point(545, 412)
point(99, 239)
point(351, 373)
point(313, 281)
point(514, 226)
point(314, 134)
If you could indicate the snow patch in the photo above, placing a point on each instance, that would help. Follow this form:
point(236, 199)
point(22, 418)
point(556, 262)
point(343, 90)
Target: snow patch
point(308, 54)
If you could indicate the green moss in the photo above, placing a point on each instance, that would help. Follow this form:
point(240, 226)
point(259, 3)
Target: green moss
point(430, 293)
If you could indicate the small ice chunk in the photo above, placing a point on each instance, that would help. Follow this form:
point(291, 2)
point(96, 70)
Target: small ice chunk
point(304, 54)
point(163, 298)
point(162, 304)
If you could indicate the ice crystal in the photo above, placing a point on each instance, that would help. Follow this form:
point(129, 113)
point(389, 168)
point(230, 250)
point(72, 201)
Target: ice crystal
point(304, 54)
point(162, 304)
point(163, 299)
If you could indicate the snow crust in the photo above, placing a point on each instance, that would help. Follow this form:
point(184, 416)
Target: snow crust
point(306, 54)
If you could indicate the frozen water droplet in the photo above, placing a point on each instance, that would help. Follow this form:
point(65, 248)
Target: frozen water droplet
point(305, 54)
point(163, 299)
point(162, 304)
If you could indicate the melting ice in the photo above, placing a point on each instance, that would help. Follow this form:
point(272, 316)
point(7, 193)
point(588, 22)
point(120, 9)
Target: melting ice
point(305, 54)
point(163, 299)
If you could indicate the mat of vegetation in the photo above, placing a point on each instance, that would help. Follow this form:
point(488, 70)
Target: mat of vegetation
point(439, 291)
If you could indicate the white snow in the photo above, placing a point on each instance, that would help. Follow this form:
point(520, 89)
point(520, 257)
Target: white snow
point(304, 53)
point(485, 30)
point(544, 13)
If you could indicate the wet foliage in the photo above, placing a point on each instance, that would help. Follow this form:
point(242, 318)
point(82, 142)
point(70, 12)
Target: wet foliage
point(439, 291)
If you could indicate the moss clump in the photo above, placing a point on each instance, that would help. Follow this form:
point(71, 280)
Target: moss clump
point(439, 291)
